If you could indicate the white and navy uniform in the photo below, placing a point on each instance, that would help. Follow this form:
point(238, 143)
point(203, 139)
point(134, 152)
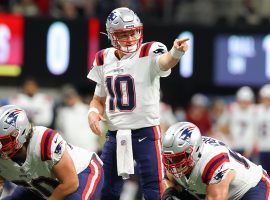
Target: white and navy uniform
point(45, 149)
point(67, 117)
point(213, 166)
point(39, 107)
point(131, 86)
point(263, 135)
point(241, 125)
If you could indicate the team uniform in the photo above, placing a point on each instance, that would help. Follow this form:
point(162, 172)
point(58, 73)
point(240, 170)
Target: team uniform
point(263, 137)
point(131, 86)
point(215, 162)
point(39, 107)
point(66, 117)
point(45, 149)
point(241, 126)
point(167, 117)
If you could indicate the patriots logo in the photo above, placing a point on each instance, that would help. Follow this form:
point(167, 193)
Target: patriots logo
point(123, 142)
point(12, 118)
point(58, 149)
point(186, 134)
point(111, 16)
point(159, 51)
point(220, 175)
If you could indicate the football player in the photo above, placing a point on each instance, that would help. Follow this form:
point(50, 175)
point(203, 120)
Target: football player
point(39, 160)
point(127, 78)
point(263, 126)
point(238, 123)
point(208, 169)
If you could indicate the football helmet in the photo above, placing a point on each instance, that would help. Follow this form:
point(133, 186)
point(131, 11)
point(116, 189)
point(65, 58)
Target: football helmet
point(181, 148)
point(125, 30)
point(265, 91)
point(14, 129)
point(245, 93)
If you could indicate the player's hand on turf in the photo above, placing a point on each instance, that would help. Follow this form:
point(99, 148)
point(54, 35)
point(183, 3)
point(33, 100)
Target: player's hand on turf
point(181, 45)
point(170, 194)
point(94, 122)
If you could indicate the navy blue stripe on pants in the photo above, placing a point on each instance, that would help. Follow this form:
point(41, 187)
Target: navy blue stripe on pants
point(260, 191)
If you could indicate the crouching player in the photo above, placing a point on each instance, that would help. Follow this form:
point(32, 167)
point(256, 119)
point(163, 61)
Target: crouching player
point(208, 169)
point(42, 164)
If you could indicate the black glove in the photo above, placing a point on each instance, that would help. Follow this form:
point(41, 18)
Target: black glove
point(170, 194)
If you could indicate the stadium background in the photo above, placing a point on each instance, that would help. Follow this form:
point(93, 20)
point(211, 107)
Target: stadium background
point(55, 41)
point(160, 24)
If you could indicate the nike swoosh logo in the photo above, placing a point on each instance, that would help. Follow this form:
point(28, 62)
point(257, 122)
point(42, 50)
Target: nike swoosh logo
point(140, 140)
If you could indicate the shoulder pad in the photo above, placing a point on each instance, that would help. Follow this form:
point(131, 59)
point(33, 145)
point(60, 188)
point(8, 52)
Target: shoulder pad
point(145, 49)
point(213, 165)
point(100, 57)
point(46, 143)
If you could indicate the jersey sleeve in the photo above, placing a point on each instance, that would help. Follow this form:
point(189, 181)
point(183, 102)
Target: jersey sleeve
point(156, 50)
point(95, 73)
point(216, 168)
point(100, 90)
point(52, 146)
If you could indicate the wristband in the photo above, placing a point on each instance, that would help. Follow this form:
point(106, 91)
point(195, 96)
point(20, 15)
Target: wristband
point(93, 109)
point(175, 53)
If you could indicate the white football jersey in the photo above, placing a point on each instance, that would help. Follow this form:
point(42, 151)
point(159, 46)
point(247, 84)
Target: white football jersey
point(241, 125)
point(263, 127)
point(45, 149)
point(39, 108)
point(67, 117)
point(215, 162)
point(131, 85)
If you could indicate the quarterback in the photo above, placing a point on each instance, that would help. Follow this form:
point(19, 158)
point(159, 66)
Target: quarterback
point(127, 78)
point(42, 164)
point(201, 167)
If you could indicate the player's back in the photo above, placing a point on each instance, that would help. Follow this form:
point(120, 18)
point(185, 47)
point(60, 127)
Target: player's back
point(216, 160)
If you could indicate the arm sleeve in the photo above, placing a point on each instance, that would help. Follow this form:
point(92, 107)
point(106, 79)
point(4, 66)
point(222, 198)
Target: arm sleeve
point(52, 147)
point(216, 168)
point(95, 73)
point(58, 147)
point(100, 90)
point(156, 50)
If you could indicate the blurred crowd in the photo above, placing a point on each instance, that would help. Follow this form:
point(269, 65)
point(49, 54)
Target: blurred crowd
point(203, 12)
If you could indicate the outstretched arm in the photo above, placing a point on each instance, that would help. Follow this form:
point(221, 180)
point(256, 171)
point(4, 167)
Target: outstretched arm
point(171, 58)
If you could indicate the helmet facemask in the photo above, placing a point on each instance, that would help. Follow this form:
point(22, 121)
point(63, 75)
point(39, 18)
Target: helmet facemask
point(179, 164)
point(181, 148)
point(127, 40)
point(9, 145)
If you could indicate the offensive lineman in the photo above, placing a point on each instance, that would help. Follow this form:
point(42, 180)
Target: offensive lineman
point(39, 160)
point(208, 169)
point(127, 91)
